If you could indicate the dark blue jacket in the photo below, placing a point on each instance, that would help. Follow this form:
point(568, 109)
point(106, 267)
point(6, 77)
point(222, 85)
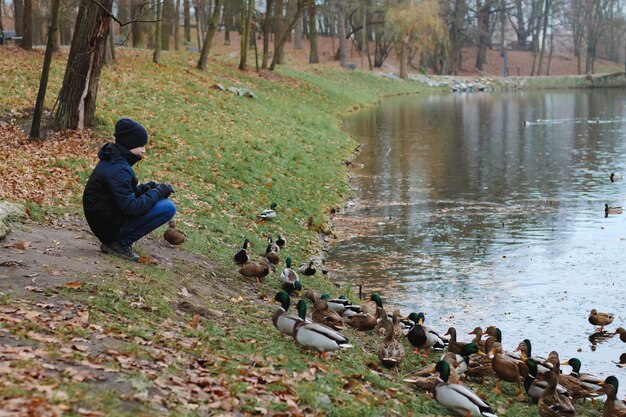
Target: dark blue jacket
point(112, 193)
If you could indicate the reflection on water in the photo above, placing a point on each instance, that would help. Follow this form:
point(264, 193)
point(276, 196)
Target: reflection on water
point(489, 209)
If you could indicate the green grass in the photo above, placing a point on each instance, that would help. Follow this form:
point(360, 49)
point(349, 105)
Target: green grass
point(228, 158)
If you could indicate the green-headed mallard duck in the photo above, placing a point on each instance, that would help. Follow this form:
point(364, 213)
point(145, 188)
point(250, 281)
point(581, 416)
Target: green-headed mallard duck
point(506, 369)
point(290, 287)
point(526, 348)
point(371, 306)
point(427, 378)
point(283, 321)
point(288, 274)
point(534, 387)
point(256, 270)
point(611, 210)
point(269, 213)
point(589, 381)
point(477, 362)
point(622, 334)
point(281, 241)
point(321, 314)
point(613, 407)
point(242, 256)
point(390, 351)
point(454, 346)
point(173, 235)
point(457, 397)
point(600, 319)
point(341, 305)
point(421, 337)
point(317, 336)
point(308, 269)
point(552, 404)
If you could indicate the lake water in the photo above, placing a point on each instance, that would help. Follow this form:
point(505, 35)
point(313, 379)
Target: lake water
point(483, 209)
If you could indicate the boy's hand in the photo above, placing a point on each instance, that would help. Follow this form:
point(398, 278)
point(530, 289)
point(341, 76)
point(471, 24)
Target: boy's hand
point(164, 190)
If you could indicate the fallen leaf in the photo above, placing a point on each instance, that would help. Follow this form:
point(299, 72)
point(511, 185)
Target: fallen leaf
point(89, 413)
point(22, 245)
point(12, 263)
point(184, 292)
point(147, 260)
point(195, 322)
point(74, 285)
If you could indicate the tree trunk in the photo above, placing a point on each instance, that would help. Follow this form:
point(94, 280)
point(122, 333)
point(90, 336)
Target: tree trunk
point(199, 30)
point(156, 57)
point(551, 50)
point(247, 9)
point(137, 31)
point(77, 98)
point(546, 15)
point(340, 6)
point(484, 12)
point(279, 24)
point(314, 57)
point(177, 26)
point(18, 6)
point(187, 22)
point(228, 20)
point(297, 44)
point(27, 26)
point(45, 71)
point(167, 16)
point(403, 58)
point(300, 6)
point(521, 31)
point(266, 33)
point(210, 33)
point(109, 49)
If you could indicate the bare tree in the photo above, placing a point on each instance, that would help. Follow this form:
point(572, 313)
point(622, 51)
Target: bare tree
point(295, 10)
point(210, 34)
point(247, 10)
point(340, 9)
point(156, 57)
point(266, 32)
point(314, 57)
point(27, 26)
point(45, 71)
point(77, 98)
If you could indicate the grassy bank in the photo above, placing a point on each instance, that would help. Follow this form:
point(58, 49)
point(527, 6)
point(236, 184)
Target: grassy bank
point(228, 157)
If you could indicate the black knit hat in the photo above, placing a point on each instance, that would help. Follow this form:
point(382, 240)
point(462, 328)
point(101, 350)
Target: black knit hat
point(130, 134)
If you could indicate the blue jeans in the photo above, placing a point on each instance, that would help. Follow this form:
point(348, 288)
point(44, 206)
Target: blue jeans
point(135, 228)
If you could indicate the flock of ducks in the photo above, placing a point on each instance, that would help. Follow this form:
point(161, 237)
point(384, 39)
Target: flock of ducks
point(540, 378)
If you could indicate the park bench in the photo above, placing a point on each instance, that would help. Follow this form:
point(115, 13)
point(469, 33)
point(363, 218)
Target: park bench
point(9, 37)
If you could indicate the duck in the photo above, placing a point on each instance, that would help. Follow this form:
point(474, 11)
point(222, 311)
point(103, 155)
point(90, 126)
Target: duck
point(506, 369)
point(361, 321)
point(391, 351)
point(316, 336)
point(614, 177)
point(613, 407)
point(611, 210)
point(495, 335)
point(600, 319)
point(321, 314)
point(281, 241)
point(477, 362)
point(371, 306)
point(454, 346)
point(289, 278)
point(427, 378)
point(534, 387)
point(256, 270)
point(174, 236)
point(579, 385)
point(242, 256)
point(312, 295)
point(589, 381)
point(342, 305)
point(458, 398)
point(308, 269)
point(422, 337)
point(272, 252)
point(282, 321)
point(622, 334)
point(552, 404)
point(478, 334)
point(269, 213)
point(525, 348)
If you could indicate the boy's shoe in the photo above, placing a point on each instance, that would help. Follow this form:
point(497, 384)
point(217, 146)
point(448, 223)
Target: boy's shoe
point(117, 249)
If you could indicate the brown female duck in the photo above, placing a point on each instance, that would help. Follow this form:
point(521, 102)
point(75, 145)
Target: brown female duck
point(391, 351)
point(173, 235)
point(551, 404)
point(506, 369)
point(600, 319)
point(622, 334)
point(321, 314)
point(454, 346)
point(255, 270)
